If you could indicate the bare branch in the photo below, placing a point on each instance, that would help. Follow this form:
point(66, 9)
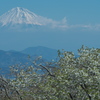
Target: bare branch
point(71, 96)
point(49, 73)
point(86, 91)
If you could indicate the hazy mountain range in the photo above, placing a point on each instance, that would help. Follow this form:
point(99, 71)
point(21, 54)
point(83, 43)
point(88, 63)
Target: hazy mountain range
point(9, 58)
point(21, 28)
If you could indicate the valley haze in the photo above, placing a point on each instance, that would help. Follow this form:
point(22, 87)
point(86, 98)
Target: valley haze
point(21, 28)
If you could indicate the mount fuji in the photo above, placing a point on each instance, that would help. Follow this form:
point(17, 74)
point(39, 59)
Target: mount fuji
point(21, 16)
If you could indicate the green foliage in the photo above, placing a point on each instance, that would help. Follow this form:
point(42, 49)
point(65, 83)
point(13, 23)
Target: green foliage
point(69, 78)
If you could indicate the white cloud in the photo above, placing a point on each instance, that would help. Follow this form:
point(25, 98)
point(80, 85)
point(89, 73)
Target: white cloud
point(23, 16)
point(54, 24)
point(85, 27)
point(63, 24)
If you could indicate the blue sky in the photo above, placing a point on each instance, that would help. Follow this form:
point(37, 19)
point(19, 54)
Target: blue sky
point(76, 11)
point(79, 14)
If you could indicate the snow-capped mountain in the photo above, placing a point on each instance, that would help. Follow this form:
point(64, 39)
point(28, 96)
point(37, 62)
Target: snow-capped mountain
point(20, 15)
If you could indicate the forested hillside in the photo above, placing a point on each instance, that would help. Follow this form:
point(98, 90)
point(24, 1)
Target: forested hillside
point(69, 78)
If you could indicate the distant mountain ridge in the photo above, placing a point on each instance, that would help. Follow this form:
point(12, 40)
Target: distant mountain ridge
point(9, 58)
point(46, 53)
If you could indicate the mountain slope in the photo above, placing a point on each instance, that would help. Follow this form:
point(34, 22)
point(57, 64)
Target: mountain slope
point(9, 58)
point(22, 16)
point(19, 16)
point(46, 53)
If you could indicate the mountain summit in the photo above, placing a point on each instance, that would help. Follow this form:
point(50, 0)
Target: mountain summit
point(20, 15)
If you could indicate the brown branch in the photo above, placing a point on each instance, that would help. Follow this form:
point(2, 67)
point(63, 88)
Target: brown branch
point(6, 91)
point(7, 84)
point(71, 96)
point(18, 94)
point(49, 73)
point(86, 91)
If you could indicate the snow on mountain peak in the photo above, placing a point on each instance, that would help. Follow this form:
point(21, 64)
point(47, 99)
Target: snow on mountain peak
point(20, 15)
